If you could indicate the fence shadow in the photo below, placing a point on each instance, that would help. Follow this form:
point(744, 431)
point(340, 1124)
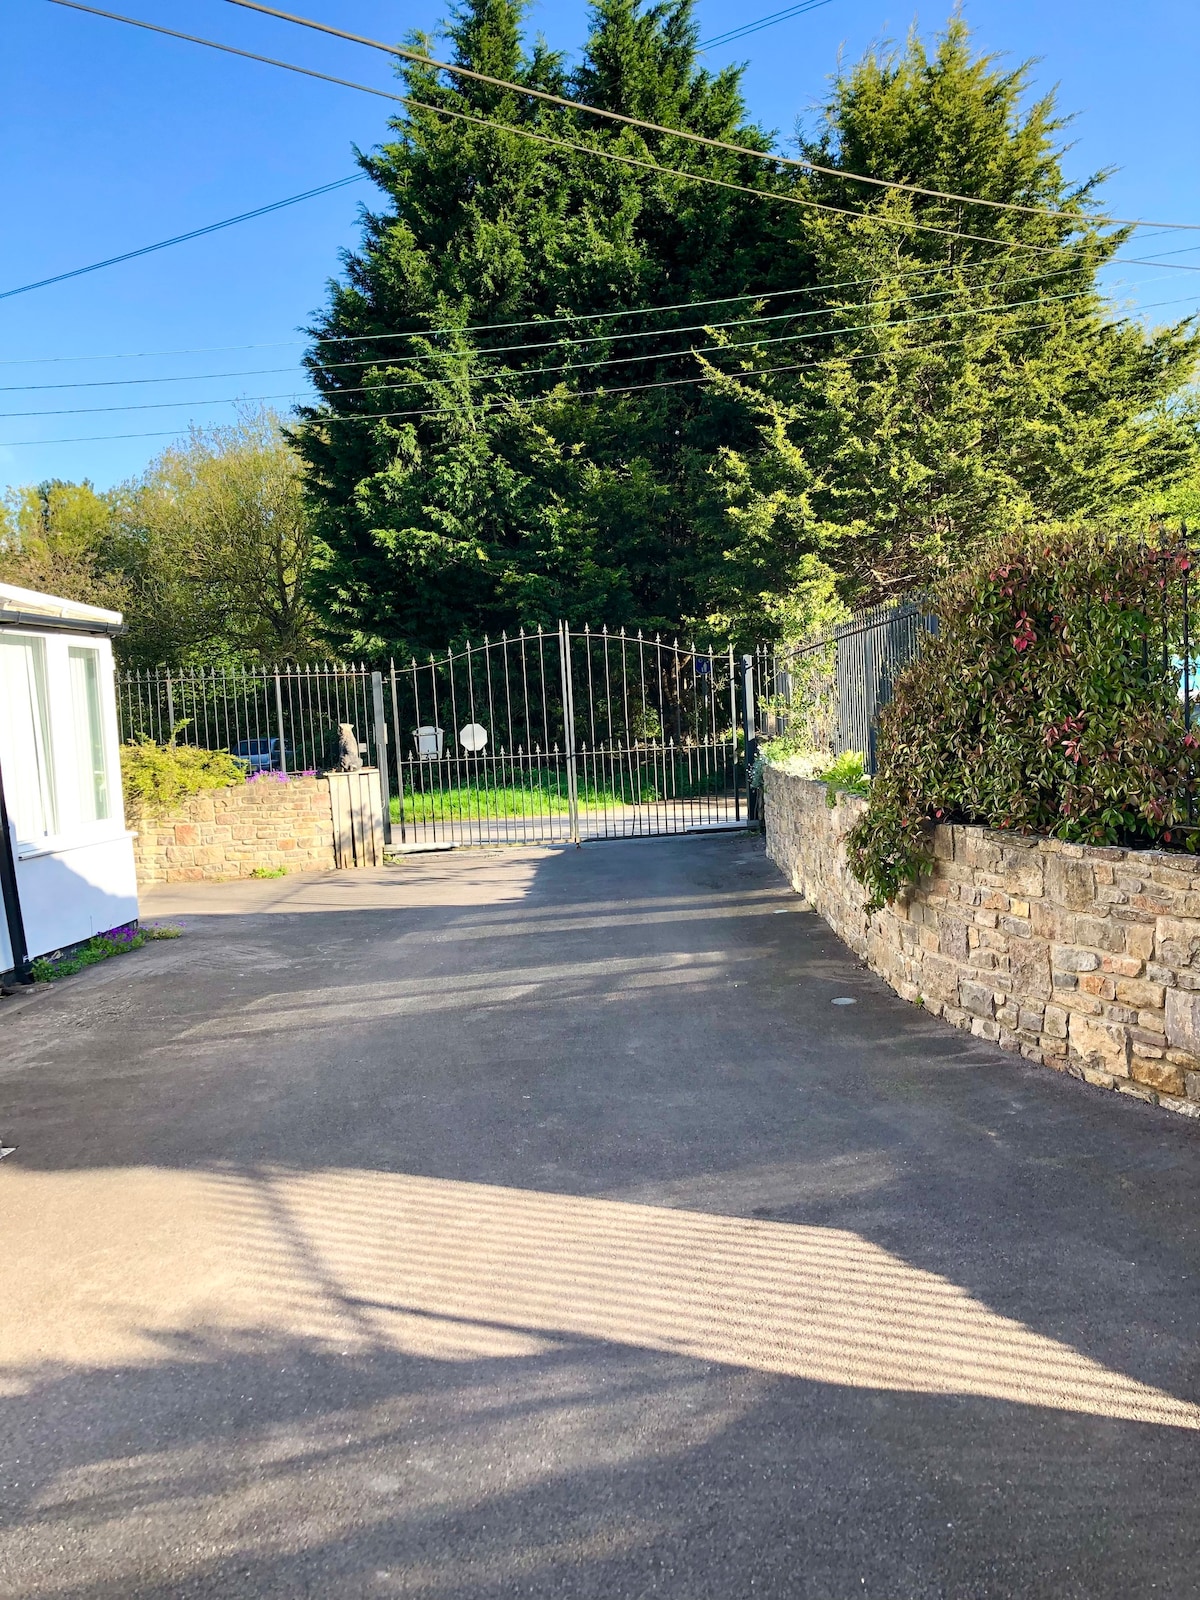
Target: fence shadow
point(574, 1244)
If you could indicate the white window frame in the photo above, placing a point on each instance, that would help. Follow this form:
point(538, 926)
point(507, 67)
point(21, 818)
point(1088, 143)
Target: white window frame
point(70, 830)
point(43, 739)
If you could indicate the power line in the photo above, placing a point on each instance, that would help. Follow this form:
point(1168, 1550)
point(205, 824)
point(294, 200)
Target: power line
point(593, 151)
point(478, 327)
point(536, 371)
point(358, 177)
point(151, 355)
point(575, 366)
point(763, 22)
point(493, 327)
point(679, 133)
point(490, 350)
point(635, 311)
point(669, 383)
point(540, 322)
point(183, 238)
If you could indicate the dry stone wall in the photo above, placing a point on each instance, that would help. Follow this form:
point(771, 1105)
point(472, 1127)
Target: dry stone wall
point(231, 833)
point(1084, 959)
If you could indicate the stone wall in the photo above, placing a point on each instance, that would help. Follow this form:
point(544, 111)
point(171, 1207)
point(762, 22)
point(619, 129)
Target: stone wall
point(1084, 959)
point(231, 833)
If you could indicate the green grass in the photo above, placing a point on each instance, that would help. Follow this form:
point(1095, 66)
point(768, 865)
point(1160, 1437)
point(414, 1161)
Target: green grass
point(116, 942)
point(273, 872)
point(537, 795)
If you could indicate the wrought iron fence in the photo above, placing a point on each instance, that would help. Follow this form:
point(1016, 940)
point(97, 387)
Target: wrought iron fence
point(548, 735)
point(283, 720)
point(829, 691)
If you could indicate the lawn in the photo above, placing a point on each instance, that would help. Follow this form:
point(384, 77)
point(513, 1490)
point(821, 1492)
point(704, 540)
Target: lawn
point(432, 796)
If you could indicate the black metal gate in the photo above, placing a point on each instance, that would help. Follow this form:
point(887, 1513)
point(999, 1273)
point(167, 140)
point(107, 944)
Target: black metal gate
point(565, 735)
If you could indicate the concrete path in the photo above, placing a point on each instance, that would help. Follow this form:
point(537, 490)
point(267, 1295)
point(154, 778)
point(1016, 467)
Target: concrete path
point(538, 1224)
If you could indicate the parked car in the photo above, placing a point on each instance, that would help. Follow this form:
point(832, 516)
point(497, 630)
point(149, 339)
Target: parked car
point(260, 755)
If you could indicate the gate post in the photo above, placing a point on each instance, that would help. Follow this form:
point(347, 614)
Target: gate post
point(568, 700)
point(381, 753)
point(283, 766)
point(399, 747)
point(748, 731)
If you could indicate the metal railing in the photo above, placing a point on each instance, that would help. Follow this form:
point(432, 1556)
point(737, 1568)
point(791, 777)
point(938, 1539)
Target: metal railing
point(829, 691)
point(283, 720)
point(549, 735)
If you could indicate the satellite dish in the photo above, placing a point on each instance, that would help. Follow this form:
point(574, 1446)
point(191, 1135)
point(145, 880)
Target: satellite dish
point(473, 737)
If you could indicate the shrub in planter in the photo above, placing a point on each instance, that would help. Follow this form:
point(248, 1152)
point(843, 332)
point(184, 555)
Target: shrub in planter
point(1049, 702)
point(154, 776)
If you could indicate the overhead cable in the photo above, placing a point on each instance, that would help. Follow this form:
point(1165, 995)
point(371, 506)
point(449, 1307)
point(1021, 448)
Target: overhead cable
point(570, 366)
point(568, 340)
point(641, 123)
point(763, 22)
point(184, 238)
point(558, 397)
point(542, 322)
point(593, 151)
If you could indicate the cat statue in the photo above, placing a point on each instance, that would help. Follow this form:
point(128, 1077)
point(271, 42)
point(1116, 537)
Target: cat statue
point(349, 756)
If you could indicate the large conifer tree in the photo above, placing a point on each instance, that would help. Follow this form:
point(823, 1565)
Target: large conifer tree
point(970, 376)
point(946, 387)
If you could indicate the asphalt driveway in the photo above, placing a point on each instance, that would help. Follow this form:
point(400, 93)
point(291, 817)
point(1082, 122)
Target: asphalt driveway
point(545, 1224)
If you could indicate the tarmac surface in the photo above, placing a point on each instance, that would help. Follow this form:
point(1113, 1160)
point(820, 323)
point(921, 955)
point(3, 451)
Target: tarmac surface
point(538, 1223)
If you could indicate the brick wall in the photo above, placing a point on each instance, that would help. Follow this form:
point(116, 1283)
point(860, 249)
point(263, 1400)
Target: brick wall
point(1085, 959)
point(228, 833)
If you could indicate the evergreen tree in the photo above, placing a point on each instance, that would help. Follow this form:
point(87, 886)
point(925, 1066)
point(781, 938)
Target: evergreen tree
point(962, 375)
point(974, 384)
point(495, 513)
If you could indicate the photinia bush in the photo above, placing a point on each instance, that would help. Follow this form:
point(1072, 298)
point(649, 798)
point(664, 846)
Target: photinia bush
point(1049, 702)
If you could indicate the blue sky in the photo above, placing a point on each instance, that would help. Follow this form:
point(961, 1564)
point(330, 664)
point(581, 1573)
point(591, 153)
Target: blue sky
point(114, 138)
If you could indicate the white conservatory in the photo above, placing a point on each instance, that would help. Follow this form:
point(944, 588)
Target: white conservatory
point(68, 871)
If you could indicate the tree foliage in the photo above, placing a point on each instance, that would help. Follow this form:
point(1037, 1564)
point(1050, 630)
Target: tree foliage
point(939, 372)
point(53, 538)
point(1048, 702)
point(977, 384)
point(208, 553)
point(598, 506)
point(214, 541)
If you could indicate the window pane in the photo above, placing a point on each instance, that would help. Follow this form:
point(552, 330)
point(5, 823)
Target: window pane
point(25, 738)
point(91, 769)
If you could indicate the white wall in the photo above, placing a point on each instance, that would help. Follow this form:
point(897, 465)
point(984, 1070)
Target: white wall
point(62, 776)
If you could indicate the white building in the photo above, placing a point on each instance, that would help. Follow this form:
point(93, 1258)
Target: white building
point(71, 852)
